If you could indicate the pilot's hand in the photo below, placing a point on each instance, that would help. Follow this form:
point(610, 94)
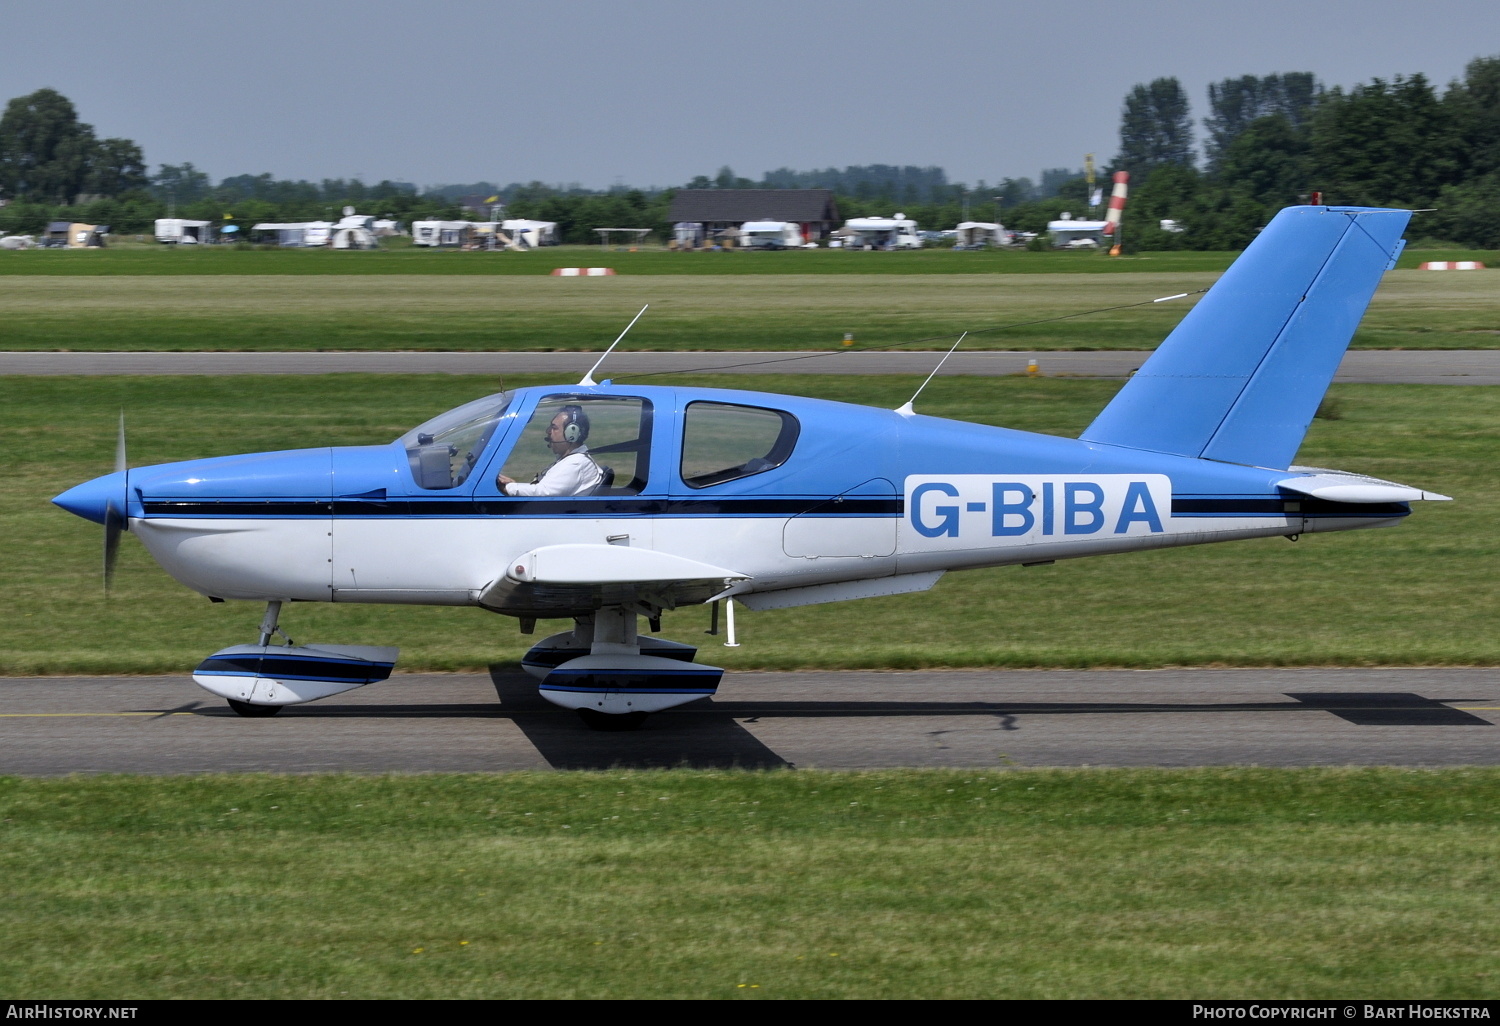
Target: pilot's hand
point(502, 481)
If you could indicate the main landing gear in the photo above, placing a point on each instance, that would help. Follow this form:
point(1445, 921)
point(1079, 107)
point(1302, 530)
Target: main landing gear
point(613, 677)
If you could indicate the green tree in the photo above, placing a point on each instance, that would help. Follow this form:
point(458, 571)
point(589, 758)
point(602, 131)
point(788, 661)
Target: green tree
point(1012, 192)
point(1236, 102)
point(1156, 128)
point(1468, 214)
point(1386, 143)
point(1475, 103)
point(1268, 161)
point(180, 183)
point(116, 167)
point(45, 151)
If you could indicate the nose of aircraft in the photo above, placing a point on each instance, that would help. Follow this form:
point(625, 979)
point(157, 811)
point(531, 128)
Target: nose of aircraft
point(90, 499)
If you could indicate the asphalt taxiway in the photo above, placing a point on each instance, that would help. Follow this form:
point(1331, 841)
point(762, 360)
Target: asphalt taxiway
point(843, 720)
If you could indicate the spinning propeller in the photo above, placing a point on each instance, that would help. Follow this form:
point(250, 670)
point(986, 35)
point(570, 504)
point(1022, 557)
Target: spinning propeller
point(114, 514)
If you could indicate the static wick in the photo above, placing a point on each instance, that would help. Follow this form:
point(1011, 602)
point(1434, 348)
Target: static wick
point(1164, 299)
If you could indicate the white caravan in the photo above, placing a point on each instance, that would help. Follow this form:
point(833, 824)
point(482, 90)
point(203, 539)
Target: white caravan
point(440, 233)
point(1069, 233)
point(979, 234)
point(899, 232)
point(771, 235)
point(531, 234)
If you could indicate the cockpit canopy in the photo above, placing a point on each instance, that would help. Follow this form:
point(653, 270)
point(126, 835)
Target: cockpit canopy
point(444, 450)
point(717, 439)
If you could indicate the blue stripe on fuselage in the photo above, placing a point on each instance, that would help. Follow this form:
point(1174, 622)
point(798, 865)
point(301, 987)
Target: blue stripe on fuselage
point(596, 508)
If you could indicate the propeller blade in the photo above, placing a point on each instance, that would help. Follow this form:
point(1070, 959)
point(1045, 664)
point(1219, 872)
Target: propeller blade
point(114, 517)
point(114, 523)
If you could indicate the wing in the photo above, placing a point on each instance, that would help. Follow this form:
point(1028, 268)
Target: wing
point(564, 580)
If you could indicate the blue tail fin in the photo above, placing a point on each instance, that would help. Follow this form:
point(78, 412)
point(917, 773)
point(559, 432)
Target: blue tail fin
point(1241, 376)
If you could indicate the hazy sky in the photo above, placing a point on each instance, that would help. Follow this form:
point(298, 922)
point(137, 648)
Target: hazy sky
point(657, 91)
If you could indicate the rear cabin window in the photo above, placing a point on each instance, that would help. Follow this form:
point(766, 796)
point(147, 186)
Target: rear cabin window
point(724, 442)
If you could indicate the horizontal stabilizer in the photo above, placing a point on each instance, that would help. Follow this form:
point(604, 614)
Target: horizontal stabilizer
point(1337, 486)
point(1241, 376)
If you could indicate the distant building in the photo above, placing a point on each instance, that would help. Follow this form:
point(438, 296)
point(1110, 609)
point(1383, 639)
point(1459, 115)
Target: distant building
point(813, 210)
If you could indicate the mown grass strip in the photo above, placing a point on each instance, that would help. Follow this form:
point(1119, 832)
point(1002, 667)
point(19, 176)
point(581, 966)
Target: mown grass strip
point(404, 259)
point(1421, 593)
point(1319, 883)
point(176, 261)
point(1412, 310)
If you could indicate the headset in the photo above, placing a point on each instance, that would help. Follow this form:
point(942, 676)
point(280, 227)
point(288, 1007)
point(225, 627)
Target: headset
point(576, 430)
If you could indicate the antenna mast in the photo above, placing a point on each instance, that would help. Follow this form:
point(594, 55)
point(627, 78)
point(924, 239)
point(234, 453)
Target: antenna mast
point(588, 379)
point(907, 411)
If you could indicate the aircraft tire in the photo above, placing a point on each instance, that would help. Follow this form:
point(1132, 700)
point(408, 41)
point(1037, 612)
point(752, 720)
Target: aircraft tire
point(596, 720)
point(252, 710)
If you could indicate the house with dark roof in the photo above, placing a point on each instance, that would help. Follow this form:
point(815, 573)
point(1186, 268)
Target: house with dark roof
point(718, 209)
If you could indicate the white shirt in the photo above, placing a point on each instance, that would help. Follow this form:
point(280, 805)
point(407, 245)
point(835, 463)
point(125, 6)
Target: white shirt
point(573, 474)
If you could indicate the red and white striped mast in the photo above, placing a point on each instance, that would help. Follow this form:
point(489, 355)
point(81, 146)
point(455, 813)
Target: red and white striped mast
point(1116, 208)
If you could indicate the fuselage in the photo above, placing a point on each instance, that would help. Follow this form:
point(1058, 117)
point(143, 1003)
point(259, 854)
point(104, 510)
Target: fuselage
point(786, 492)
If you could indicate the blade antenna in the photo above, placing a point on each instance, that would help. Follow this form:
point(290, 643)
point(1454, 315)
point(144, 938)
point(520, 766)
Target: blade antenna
point(588, 379)
point(120, 445)
point(907, 411)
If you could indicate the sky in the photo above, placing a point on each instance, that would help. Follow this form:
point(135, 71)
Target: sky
point(654, 92)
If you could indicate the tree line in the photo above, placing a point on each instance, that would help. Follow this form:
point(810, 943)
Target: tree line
point(1276, 140)
point(53, 168)
point(1268, 141)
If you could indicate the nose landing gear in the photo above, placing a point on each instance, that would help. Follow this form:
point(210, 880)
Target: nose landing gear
point(259, 680)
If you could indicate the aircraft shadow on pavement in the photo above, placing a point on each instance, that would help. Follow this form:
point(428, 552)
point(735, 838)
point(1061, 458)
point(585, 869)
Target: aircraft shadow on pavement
point(708, 740)
point(710, 734)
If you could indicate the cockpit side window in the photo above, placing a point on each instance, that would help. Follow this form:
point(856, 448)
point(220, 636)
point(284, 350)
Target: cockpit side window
point(724, 442)
point(613, 432)
point(443, 451)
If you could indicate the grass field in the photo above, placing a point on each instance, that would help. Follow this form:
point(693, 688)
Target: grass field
point(1412, 310)
point(153, 260)
point(1226, 883)
point(188, 260)
point(1421, 593)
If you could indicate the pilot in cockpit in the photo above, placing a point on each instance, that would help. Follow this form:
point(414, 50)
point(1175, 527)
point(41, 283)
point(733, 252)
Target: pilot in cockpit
point(575, 472)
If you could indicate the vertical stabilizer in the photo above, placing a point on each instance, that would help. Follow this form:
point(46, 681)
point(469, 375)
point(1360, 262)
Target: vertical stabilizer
point(1241, 377)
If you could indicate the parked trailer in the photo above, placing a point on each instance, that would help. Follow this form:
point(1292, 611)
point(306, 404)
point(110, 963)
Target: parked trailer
point(899, 232)
point(181, 231)
point(979, 235)
point(440, 233)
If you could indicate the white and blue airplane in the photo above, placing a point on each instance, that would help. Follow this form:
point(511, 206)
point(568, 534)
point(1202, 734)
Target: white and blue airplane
point(645, 499)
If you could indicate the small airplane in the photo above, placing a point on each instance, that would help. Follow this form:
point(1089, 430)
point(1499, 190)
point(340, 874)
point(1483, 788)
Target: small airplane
point(644, 499)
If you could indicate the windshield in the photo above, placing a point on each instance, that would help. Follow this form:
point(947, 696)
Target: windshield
point(443, 450)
